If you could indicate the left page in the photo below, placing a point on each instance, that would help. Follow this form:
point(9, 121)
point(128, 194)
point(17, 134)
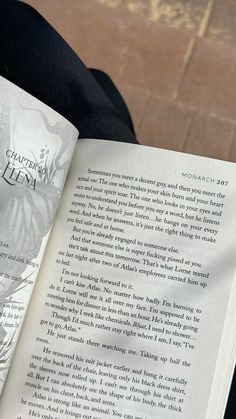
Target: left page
point(35, 152)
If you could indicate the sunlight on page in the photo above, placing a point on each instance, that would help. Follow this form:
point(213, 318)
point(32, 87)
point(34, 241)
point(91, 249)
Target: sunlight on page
point(134, 293)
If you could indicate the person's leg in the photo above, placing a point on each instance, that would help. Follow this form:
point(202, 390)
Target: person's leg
point(36, 58)
point(114, 95)
point(230, 412)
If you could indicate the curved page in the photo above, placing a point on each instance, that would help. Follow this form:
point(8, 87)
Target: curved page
point(36, 149)
point(130, 306)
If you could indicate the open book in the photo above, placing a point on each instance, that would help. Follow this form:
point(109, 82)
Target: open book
point(130, 311)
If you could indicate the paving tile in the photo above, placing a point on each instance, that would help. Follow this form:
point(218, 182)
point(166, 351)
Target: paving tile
point(210, 79)
point(209, 137)
point(105, 45)
point(232, 150)
point(222, 25)
point(174, 13)
point(136, 100)
point(156, 59)
point(164, 124)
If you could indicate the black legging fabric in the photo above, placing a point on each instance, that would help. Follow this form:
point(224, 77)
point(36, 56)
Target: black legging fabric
point(35, 57)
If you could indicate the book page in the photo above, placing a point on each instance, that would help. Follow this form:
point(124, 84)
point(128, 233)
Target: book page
point(36, 150)
point(128, 313)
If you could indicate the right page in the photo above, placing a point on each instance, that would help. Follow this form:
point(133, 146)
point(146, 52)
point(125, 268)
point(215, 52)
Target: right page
point(132, 316)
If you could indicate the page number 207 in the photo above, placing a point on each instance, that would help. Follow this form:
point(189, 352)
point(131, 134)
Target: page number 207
point(222, 182)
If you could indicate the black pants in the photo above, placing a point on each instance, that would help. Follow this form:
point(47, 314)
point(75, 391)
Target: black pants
point(37, 59)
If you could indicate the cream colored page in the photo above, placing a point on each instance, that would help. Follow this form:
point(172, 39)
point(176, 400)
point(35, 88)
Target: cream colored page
point(128, 312)
point(36, 146)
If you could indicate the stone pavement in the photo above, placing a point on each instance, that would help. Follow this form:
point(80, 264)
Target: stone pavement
point(173, 60)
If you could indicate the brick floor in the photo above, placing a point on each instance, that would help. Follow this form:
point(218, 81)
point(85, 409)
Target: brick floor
point(137, 100)
point(173, 60)
point(209, 79)
point(222, 24)
point(232, 154)
point(156, 59)
point(215, 134)
point(164, 119)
